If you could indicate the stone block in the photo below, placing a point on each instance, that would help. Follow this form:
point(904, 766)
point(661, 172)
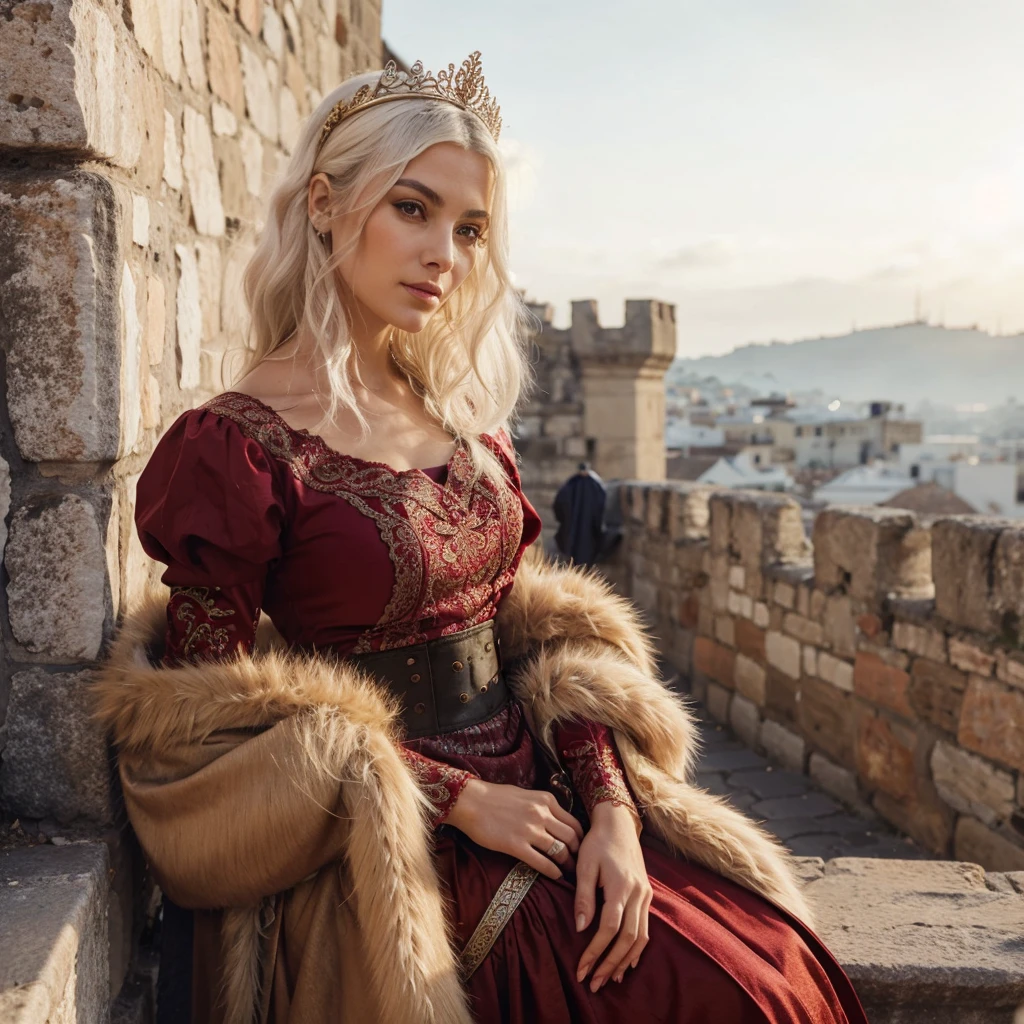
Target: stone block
point(782, 695)
point(250, 14)
point(57, 569)
point(921, 640)
point(225, 67)
point(656, 507)
point(783, 653)
point(974, 842)
point(156, 319)
point(869, 625)
point(62, 239)
point(825, 717)
point(839, 781)
point(785, 595)
point(172, 173)
point(260, 102)
point(54, 939)
point(750, 640)
point(737, 577)
point(714, 660)
point(805, 630)
point(1008, 584)
point(990, 722)
point(761, 617)
point(717, 701)
point(200, 170)
point(970, 658)
point(964, 553)
point(936, 693)
point(922, 940)
point(881, 684)
point(750, 679)
point(764, 529)
point(725, 632)
point(130, 406)
point(840, 628)
point(192, 44)
point(1010, 668)
point(810, 661)
point(55, 757)
point(885, 756)
point(189, 318)
point(833, 670)
point(971, 784)
point(745, 719)
point(62, 62)
point(872, 553)
point(783, 745)
point(719, 523)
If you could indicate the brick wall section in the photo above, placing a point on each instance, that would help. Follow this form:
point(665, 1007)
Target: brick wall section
point(887, 660)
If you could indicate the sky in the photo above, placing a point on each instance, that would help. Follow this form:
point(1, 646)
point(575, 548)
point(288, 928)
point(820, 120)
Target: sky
point(778, 169)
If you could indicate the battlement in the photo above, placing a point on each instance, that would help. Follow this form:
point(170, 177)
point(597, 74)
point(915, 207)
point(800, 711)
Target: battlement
point(648, 335)
point(884, 656)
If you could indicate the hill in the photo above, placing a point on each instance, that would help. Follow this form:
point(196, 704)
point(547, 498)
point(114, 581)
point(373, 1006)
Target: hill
point(908, 363)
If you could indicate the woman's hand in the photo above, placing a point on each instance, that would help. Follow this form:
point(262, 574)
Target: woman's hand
point(523, 823)
point(610, 857)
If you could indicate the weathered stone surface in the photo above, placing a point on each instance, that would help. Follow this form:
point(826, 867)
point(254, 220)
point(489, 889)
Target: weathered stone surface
point(972, 785)
point(1008, 584)
point(61, 243)
point(57, 577)
point(783, 653)
point(921, 640)
point(225, 67)
point(53, 939)
point(725, 632)
point(260, 101)
point(61, 64)
point(156, 319)
point(969, 658)
point(745, 719)
point(936, 693)
point(750, 679)
point(717, 700)
point(750, 640)
point(55, 757)
point(805, 630)
point(833, 670)
point(170, 37)
point(131, 358)
point(250, 14)
point(172, 153)
point(192, 45)
point(990, 722)
point(201, 175)
point(840, 630)
point(825, 717)
point(223, 120)
point(714, 660)
point(783, 745)
point(922, 940)
point(872, 553)
point(835, 779)
point(964, 547)
point(1010, 668)
point(881, 684)
point(189, 318)
point(973, 841)
point(688, 512)
point(885, 756)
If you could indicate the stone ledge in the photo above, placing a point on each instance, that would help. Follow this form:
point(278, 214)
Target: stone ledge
point(53, 934)
point(922, 941)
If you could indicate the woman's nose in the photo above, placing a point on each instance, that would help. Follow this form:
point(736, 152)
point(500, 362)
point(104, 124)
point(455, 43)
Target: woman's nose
point(441, 252)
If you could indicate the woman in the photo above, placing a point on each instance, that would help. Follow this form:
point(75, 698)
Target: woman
point(445, 784)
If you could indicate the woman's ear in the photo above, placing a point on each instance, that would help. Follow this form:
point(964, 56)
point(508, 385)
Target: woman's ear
point(319, 201)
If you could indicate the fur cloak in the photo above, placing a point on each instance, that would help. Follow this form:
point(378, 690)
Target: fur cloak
point(268, 794)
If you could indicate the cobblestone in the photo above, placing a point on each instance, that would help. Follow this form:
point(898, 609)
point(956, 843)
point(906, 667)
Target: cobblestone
point(790, 805)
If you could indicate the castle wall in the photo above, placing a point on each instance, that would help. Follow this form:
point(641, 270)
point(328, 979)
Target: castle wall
point(886, 659)
point(138, 139)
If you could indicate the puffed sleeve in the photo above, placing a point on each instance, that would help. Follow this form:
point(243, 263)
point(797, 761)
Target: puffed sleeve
point(208, 507)
point(501, 445)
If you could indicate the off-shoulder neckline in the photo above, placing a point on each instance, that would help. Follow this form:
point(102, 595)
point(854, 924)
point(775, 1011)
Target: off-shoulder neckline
point(317, 439)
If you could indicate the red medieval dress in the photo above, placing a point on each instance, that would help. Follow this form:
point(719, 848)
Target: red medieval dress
point(249, 513)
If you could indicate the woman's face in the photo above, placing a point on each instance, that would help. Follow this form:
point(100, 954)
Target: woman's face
point(421, 240)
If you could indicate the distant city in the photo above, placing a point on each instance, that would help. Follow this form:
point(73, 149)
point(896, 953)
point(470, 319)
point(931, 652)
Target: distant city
point(914, 416)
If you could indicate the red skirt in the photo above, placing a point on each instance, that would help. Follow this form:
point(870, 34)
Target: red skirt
point(717, 952)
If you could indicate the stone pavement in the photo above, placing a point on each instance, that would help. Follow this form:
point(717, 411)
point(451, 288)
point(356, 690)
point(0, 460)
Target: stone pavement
point(810, 822)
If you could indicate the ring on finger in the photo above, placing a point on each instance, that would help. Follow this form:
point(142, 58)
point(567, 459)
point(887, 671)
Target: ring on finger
point(556, 848)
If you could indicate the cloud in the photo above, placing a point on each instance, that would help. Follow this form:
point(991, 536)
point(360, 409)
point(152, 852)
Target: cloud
point(711, 252)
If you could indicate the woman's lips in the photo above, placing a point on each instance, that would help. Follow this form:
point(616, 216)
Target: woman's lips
point(425, 296)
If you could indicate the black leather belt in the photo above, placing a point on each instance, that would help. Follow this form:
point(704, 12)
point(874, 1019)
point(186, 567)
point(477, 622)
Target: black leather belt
point(444, 684)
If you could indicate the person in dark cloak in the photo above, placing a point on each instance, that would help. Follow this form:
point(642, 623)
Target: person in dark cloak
point(579, 508)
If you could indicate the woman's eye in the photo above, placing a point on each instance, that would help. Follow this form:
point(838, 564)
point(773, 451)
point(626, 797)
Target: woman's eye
point(408, 207)
point(475, 232)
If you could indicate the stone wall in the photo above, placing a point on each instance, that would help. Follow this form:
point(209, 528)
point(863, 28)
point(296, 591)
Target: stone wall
point(886, 659)
point(600, 397)
point(138, 139)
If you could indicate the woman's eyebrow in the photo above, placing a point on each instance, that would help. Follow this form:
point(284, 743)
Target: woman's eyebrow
point(427, 191)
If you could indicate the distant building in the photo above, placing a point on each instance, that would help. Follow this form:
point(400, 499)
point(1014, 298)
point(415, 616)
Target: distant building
point(837, 440)
point(741, 473)
point(865, 485)
point(930, 500)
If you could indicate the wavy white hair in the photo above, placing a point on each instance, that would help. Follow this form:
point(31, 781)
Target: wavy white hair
point(469, 363)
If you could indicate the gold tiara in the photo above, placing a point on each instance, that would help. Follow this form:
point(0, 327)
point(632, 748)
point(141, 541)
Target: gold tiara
point(464, 88)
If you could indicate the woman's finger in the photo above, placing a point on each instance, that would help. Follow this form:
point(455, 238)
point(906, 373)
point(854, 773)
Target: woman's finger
point(625, 940)
point(586, 896)
point(611, 920)
point(562, 831)
point(539, 862)
point(632, 958)
point(567, 819)
point(553, 847)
